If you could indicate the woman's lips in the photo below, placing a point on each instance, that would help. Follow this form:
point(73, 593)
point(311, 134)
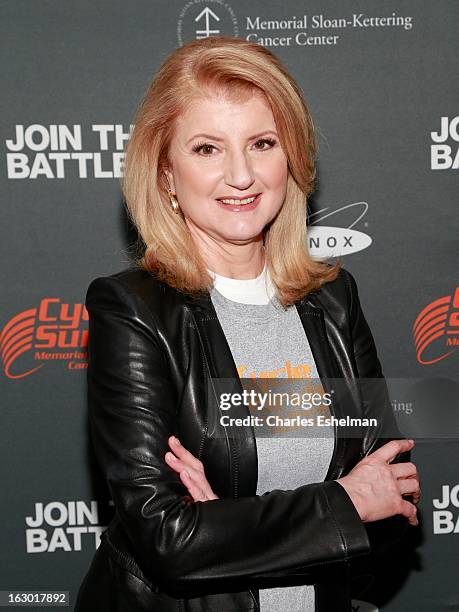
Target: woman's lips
point(240, 207)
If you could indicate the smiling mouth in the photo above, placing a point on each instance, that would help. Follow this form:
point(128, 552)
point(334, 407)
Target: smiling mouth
point(239, 201)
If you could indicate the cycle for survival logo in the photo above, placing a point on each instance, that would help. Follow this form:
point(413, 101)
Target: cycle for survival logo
point(436, 329)
point(51, 331)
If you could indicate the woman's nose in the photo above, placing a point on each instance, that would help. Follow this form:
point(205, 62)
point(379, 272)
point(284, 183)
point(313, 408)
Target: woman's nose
point(238, 170)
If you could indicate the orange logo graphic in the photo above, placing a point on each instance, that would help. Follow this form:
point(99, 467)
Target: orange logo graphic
point(52, 331)
point(436, 329)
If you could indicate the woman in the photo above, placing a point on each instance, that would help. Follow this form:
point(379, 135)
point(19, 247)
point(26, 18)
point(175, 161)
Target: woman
point(216, 176)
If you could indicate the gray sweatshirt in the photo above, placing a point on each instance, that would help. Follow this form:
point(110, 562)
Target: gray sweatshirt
point(267, 340)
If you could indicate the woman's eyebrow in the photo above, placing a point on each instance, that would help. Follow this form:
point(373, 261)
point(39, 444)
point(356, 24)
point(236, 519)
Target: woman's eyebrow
point(201, 135)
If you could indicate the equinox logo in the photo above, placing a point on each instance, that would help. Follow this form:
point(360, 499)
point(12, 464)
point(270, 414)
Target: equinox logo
point(327, 241)
point(52, 331)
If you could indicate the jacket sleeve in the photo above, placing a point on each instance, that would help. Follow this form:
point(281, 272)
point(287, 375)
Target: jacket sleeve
point(182, 544)
point(383, 534)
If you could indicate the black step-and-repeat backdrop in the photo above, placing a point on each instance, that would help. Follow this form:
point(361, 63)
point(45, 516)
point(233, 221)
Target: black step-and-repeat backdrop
point(381, 81)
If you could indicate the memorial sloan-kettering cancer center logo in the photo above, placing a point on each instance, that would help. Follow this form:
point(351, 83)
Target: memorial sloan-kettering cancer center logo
point(198, 19)
point(52, 331)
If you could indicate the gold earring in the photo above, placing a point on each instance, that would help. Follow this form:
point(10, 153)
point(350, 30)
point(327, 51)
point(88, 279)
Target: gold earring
point(174, 204)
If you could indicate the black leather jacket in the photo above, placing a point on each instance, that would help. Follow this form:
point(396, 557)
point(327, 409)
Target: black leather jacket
point(152, 351)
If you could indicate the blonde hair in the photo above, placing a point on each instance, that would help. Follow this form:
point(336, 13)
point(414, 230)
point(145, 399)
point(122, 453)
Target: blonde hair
point(238, 68)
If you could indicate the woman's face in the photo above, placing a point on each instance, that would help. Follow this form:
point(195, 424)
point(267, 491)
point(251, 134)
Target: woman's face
point(223, 149)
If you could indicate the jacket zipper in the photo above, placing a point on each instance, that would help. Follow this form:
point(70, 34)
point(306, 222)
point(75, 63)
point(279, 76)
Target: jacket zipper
point(254, 600)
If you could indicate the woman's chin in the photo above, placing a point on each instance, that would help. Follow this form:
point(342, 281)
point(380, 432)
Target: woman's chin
point(241, 237)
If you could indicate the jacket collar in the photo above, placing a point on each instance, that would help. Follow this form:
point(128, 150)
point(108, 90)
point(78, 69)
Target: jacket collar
point(221, 365)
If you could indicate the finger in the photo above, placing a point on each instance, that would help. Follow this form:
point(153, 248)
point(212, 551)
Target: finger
point(174, 462)
point(179, 466)
point(184, 454)
point(195, 491)
point(182, 463)
point(201, 482)
point(417, 495)
point(410, 511)
point(409, 486)
point(391, 449)
point(197, 478)
point(405, 469)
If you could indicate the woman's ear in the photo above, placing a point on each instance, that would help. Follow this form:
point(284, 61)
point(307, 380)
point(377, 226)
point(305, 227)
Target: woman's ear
point(170, 179)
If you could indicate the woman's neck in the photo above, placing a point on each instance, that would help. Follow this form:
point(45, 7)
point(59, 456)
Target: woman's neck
point(240, 270)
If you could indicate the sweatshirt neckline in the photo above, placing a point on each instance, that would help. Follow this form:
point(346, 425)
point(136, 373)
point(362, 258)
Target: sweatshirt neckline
point(257, 291)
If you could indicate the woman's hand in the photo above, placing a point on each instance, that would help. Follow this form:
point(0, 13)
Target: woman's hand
point(191, 471)
point(376, 486)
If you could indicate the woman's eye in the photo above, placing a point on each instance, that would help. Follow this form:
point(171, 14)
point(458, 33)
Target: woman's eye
point(270, 141)
point(205, 148)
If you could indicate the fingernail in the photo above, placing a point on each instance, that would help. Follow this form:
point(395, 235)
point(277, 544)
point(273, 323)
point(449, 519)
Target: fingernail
point(186, 474)
point(176, 440)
